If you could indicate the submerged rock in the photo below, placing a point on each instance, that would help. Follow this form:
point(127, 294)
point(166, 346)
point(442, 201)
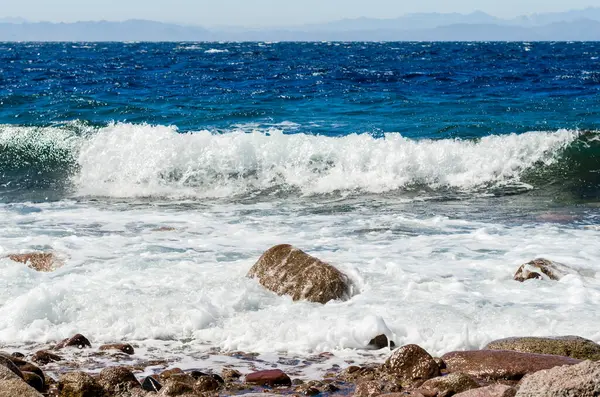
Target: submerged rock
point(542, 269)
point(44, 357)
point(79, 384)
point(40, 261)
point(410, 364)
point(122, 347)
point(581, 380)
point(502, 364)
point(449, 385)
point(568, 346)
point(286, 270)
point(381, 342)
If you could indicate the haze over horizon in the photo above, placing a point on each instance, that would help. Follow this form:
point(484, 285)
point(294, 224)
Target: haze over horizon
point(265, 13)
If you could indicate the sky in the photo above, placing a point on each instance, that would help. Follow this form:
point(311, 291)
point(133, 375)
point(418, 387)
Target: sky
point(265, 13)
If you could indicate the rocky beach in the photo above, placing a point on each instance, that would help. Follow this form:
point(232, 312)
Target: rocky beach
point(553, 366)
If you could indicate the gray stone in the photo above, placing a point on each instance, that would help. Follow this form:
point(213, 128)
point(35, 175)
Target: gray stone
point(568, 346)
point(581, 380)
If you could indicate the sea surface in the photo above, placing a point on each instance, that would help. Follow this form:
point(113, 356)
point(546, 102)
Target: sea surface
point(428, 172)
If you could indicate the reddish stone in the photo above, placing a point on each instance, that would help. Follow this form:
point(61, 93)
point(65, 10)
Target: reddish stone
point(274, 377)
point(77, 340)
point(44, 357)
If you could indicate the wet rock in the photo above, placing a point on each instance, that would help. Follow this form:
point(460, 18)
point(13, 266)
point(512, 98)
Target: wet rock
point(274, 377)
point(17, 388)
point(230, 374)
point(166, 374)
point(117, 379)
point(542, 269)
point(40, 261)
point(286, 270)
point(174, 388)
point(380, 342)
point(44, 357)
point(122, 347)
point(449, 385)
point(79, 341)
point(25, 366)
point(502, 364)
point(497, 390)
point(34, 380)
point(79, 384)
point(151, 384)
point(7, 363)
point(568, 346)
point(205, 384)
point(198, 374)
point(581, 380)
point(411, 364)
point(371, 388)
point(18, 355)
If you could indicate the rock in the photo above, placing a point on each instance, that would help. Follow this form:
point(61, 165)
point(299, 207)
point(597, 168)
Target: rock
point(18, 355)
point(497, 390)
point(568, 346)
point(79, 384)
point(542, 269)
point(79, 341)
point(274, 377)
point(206, 383)
point(122, 347)
point(44, 357)
point(371, 388)
point(8, 374)
point(6, 362)
point(230, 374)
point(449, 385)
point(34, 380)
point(197, 375)
point(286, 270)
point(502, 364)
point(411, 364)
point(117, 379)
point(151, 384)
point(381, 342)
point(581, 380)
point(28, 367)
point(166, 374)
point(40, 261)
point(17, 388)
point(175, 388)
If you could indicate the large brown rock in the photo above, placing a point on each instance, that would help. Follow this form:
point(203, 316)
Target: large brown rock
point(79, 341)
point(410, 364)
point(542, 269)
point(44, 357)
point(6, 362)
point(568, 346)
point(502, 364)
point(286, 270)
point(581, 380)
point(40, 261)
point(497, 390)
point(79, 384)
point(115, 380)
point(451, 384)
point(12, 385)
point(122, 347)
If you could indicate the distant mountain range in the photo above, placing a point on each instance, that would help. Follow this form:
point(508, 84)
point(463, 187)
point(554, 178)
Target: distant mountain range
point(575, 25)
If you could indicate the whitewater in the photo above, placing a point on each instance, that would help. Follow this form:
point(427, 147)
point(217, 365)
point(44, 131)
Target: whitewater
point(158, 230)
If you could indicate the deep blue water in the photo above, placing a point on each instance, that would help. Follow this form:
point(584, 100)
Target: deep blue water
point(433, 90)
point(57, 100)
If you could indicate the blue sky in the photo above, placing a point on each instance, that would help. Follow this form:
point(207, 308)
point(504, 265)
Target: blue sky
point(266, 12)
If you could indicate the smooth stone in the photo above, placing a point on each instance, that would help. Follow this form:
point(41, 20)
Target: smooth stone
point(34, 380)
point(451, 384)
point(151, 384)
point(410, 364)
point(6, 362)
point(116, 379)
point(581, 380)
point(381, 342)
point(497, 390)
point(502, 364)
point(79, 341)
point(28, 367)
point(79, 384)
point(122, 347)
point(286, 270)
point(273, 377)
point(568, 346)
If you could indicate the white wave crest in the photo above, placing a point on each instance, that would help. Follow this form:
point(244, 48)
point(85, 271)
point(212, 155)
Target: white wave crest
point(125, 160)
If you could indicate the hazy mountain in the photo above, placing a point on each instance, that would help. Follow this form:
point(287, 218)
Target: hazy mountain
point(576, 25)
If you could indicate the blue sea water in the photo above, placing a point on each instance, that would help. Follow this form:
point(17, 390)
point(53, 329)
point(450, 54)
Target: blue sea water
point(428, 172)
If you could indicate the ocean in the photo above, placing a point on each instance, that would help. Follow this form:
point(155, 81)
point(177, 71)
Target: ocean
point(427, 172)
